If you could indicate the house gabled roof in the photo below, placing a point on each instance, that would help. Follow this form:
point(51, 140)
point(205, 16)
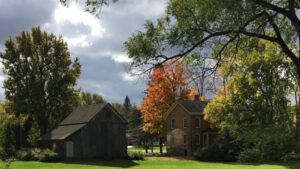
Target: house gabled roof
point(77, 120)
point(193, 107)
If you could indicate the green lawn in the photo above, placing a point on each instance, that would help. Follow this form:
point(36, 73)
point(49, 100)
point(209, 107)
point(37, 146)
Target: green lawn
point(142, 149)
point(149, 163)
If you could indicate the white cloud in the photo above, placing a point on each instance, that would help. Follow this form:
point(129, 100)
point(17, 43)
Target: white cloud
point(121, 57)
point(80, 41)
point(76, 15)
point(128, 77)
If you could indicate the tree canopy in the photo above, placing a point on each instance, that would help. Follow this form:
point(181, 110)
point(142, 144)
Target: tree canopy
point(252, 106)
point(167, 83)
point(194, 26)
point(41, 77)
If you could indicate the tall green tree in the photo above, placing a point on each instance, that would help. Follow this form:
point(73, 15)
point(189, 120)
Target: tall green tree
point(86, 98)
point(253, 105)
point(41, 77)
point(127, 107)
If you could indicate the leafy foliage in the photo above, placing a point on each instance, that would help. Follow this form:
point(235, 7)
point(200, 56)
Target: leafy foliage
point(40, 77)
point(167, 84)
point(12, 133)
point(191, 27)
point(87, 98)
point(36, 154)
point(136, 155)
point(253, 106)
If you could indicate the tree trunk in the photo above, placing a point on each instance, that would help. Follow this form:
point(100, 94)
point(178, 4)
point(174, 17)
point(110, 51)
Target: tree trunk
point(152, 145)
point(297, 108)
point(160, 145)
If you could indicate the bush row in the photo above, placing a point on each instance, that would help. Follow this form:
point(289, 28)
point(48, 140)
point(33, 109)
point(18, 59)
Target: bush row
point(136, 155)
point(37, 154)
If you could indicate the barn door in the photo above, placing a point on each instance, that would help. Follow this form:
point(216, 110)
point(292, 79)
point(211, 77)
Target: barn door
point(70, 149)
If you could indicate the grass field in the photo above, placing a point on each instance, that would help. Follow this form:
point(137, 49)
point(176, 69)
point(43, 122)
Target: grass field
point(149, 163)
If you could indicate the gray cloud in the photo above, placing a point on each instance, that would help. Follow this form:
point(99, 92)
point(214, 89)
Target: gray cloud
point(16, 16)
point(101, 74)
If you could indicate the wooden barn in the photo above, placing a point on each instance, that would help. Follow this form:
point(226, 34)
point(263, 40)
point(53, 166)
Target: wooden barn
point(186, 128)
point(94, 131)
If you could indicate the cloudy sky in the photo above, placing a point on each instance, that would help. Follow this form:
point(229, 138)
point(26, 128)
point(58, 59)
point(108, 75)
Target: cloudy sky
point(98, 42)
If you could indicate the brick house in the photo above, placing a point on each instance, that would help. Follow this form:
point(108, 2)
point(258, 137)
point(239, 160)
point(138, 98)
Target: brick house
point(186, 129)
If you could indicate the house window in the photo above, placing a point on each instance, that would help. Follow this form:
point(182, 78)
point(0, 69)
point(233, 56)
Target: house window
point(197, 122)
point(184, 139)
point(197, 139)
point(172, 140)
point(172, 123)
point(184, 122)
point(205, 140)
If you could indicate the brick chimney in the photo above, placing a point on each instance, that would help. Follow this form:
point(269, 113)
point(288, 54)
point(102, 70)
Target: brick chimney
point(196, 97)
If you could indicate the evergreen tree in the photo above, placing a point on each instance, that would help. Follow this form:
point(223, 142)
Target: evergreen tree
point(126, 107)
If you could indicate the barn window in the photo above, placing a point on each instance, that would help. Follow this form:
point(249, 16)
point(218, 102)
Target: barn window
point(184, 139)
point(107, 114)
point(197, 122)
point(197, 139)
point(172, 123)
point(172, 140)
point(184, 122)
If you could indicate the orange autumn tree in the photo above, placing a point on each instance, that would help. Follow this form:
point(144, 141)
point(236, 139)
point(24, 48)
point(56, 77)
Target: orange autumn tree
point(167, 83)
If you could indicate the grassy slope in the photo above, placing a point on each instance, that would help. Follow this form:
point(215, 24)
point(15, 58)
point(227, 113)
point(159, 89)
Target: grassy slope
point(149, 163)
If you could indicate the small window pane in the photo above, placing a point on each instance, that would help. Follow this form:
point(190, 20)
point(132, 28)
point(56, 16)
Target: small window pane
point(184, 139)
point(184, 122)
point(197, 123)
point(173, 123)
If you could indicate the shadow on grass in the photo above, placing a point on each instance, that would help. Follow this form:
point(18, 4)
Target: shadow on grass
point(107, 163)
point(287, 165)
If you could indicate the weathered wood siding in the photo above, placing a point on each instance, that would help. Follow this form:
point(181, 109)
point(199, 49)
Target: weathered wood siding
point(103, 137)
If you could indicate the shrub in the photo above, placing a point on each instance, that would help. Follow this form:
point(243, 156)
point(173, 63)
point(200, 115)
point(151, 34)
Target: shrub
point(23, 155)
point(136, 155)
point(35, 153)
point(48, 156)
point(3, 154)
point(250, 155)
point(226, 148)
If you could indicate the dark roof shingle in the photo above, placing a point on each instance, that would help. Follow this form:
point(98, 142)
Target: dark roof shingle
point(193, 107)
point(83, 114)
point(62, 132)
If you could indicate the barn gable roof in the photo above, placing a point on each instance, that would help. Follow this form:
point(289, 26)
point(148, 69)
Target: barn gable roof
point(62, 132)
point(83, 114)
point(193, 107)
point(77, 120)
